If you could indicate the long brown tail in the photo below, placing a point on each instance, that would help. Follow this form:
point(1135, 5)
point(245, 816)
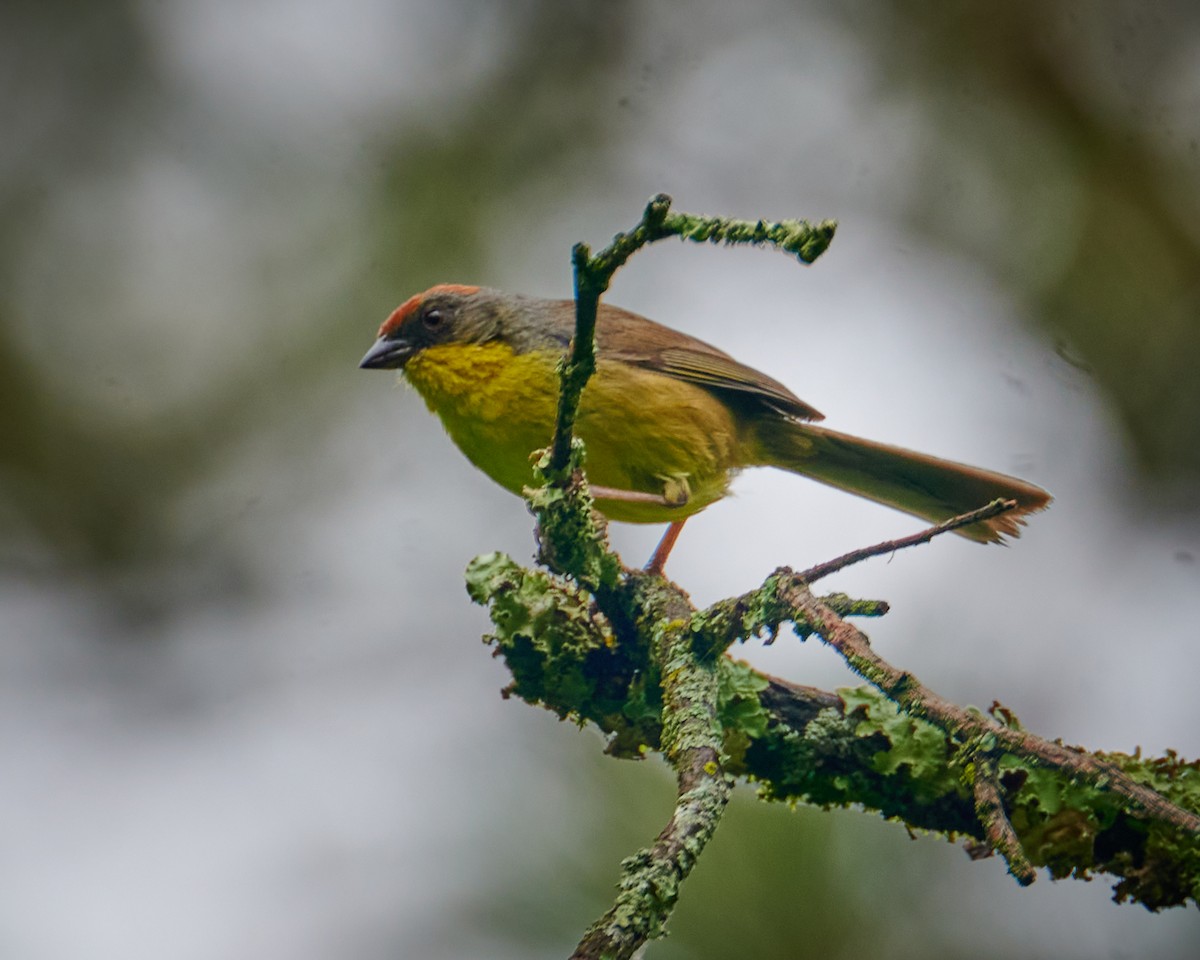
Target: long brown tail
point(915, 483)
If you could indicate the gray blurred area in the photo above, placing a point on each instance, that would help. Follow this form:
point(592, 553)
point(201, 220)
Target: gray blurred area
point(244, 710)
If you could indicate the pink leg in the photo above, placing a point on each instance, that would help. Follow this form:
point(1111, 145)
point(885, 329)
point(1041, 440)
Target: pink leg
point(663, 550)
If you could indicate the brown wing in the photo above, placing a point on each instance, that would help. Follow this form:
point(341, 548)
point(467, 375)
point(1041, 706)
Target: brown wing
point(626, 336)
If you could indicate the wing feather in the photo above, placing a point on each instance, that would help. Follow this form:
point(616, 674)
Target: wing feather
point(626, 336)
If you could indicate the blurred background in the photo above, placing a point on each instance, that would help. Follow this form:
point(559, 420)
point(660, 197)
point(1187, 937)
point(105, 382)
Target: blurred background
point(244, 710)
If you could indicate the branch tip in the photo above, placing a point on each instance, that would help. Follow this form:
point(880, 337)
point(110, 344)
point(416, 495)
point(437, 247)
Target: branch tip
point(997, 828)
point(986, 512)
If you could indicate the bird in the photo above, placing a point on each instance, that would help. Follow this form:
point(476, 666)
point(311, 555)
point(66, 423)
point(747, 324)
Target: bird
point(668, 420)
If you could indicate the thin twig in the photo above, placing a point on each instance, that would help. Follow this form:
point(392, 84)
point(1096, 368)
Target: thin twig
point(995, 508)
point(918, 700)
point(592, 277)
point(1001, 837)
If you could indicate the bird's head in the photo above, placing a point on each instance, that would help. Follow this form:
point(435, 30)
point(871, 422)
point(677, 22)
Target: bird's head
point(447, 313)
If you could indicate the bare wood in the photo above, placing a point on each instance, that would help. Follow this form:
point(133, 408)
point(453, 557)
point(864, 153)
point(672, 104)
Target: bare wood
point(993, 509)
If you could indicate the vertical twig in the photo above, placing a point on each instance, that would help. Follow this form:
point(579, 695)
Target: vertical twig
point(692, 736)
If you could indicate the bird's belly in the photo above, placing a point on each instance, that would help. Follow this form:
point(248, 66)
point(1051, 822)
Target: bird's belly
point(644, 431)
point(653, 433)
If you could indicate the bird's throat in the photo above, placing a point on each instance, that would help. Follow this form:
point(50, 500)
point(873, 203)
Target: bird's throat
point(497, 405)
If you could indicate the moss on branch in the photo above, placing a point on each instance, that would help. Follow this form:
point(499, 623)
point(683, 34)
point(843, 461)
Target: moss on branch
point(855, 748)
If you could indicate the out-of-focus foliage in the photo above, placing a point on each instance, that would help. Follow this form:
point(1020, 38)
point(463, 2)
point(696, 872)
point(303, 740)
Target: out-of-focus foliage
point(1065, 152)
point(93, 481)
point(1063, 149)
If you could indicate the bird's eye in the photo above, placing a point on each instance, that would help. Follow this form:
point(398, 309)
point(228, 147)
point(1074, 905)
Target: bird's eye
point(433, 318)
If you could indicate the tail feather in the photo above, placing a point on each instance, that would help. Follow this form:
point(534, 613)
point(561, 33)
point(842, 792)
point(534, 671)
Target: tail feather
point(915, 483)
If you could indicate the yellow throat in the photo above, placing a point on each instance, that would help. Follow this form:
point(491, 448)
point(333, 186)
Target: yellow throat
point(499, 406)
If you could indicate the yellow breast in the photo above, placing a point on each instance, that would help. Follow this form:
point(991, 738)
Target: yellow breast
point(644, 431)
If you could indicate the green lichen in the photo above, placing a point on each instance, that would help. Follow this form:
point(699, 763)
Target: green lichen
point(860, 750)
point(1076, 830)
point(563, 653)
point(912, 743)
point(571, 534)
point(864, 752)
point(762, 613)
point(742, 715)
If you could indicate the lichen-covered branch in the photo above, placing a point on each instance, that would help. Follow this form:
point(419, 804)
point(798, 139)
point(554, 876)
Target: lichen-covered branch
point(691, 739)
point(852, 748)
point(919, 701)
point(572, 537)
